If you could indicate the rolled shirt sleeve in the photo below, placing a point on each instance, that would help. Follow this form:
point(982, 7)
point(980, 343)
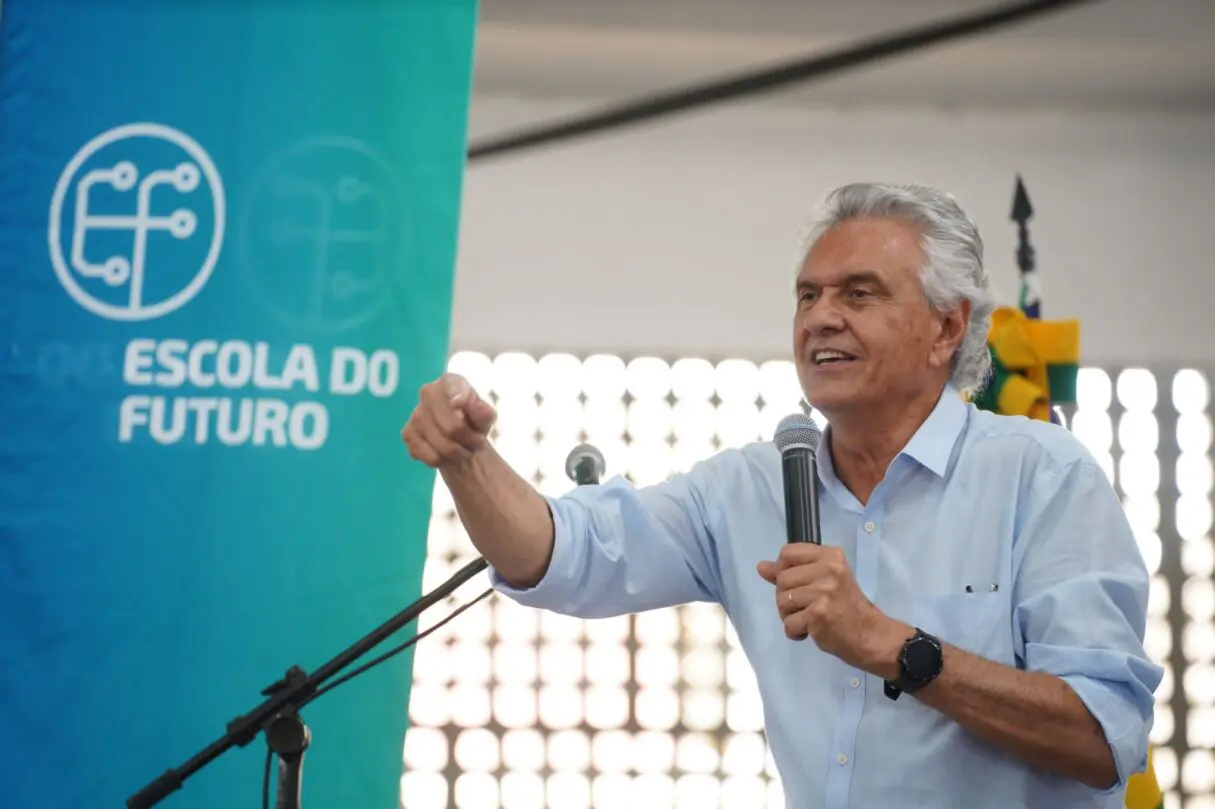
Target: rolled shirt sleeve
point(1080, 604)
point(620, 549)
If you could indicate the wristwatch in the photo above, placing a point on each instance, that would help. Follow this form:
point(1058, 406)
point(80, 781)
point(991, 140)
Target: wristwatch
point(920, 663)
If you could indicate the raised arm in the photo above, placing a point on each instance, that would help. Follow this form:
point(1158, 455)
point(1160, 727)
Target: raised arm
point(598, 551)
point(506, 518)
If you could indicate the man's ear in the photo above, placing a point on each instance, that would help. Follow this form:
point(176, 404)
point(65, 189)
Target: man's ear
point(953, 324)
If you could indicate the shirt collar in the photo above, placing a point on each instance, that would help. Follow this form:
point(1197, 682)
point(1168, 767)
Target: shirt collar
point(932, 444)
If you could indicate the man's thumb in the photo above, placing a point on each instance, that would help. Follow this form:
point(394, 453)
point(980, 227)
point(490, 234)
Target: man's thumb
point(480, 414)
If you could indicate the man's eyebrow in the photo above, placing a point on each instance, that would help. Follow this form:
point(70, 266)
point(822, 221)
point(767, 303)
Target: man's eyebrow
point(851, 279)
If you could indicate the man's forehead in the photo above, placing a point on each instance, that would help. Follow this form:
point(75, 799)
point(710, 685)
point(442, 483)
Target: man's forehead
point(855, 250)
point(830, 276)
point(829, 270)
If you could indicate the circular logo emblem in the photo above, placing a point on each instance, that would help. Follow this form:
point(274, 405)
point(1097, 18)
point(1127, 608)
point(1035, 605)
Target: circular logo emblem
point(323, 234)
point(136, 222)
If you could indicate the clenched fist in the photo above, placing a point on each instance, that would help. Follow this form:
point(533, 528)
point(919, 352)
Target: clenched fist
point(450, 423)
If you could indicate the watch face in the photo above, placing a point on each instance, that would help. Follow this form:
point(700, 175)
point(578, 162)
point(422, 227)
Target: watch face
point(922, 659)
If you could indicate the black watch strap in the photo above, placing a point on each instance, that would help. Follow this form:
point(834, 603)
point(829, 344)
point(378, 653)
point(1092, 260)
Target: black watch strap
point(920, 662)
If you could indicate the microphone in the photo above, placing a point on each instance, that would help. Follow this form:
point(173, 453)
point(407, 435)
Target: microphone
point(797, 437)
point(585, 465)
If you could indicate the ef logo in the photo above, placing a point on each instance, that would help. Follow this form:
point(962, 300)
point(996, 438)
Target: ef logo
point(136, 222)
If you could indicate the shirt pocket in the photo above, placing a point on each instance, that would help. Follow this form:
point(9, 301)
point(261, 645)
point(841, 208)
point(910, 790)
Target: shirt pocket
point(978, 623)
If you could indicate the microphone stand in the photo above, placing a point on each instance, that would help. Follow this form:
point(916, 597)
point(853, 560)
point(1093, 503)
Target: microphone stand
point(278, 716)
point(287, 737)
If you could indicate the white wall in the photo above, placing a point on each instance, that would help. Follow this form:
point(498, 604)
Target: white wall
point(679, 238)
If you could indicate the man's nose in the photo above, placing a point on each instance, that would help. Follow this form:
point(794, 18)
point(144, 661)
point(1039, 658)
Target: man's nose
point(823, 316)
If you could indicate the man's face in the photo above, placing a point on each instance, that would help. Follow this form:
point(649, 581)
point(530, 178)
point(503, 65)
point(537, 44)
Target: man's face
point(859, 294)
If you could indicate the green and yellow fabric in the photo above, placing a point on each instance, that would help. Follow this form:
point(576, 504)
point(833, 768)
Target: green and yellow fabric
point(1034, 365)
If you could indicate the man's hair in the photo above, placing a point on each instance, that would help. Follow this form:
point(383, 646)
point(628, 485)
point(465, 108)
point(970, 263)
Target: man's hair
point(953, 267)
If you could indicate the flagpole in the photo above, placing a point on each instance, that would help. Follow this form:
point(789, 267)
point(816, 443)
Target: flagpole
point(1031, 292)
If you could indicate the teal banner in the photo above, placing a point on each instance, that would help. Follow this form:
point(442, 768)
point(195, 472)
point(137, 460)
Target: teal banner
point(227, 243)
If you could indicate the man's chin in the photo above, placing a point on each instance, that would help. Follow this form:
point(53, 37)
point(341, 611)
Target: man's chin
point(834, 394)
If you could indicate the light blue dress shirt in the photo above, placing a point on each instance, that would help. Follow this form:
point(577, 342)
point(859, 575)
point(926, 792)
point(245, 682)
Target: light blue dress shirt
point(1014, 509)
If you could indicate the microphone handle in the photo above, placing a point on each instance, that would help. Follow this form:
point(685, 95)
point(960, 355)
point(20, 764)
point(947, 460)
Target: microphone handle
point(801, 496)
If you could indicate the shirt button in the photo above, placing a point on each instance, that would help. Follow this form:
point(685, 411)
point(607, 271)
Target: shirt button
point(855, 682)
point(869, 527)
point(841, 758)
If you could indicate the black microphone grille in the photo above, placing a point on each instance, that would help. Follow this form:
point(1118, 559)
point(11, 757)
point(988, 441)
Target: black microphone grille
point(797, 430)
point(583, 459)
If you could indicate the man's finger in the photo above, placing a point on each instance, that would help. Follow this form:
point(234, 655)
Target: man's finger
point(799, 553)
point(410, 428)
point(795, 626)
point(788, 578)
point(767, 571)
point(792, 600)
point(448, 448)
point(456, 389)
point(447, 417)
point(441, 406)
point(467, 435)
point(481, 415)
point(420, 449)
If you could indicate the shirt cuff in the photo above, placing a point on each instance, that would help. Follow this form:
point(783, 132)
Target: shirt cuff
point(552, 590)
point(1125, 732)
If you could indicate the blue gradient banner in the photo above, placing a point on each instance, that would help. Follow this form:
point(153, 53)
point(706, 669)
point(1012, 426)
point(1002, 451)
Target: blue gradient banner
point(227, 242)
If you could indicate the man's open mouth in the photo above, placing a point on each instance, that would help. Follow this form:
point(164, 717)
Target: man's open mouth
point(828, 356)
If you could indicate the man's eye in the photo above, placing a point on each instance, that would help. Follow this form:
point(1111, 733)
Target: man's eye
point(860, 293)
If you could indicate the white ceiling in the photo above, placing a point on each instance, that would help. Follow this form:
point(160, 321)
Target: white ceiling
point(1133, 54)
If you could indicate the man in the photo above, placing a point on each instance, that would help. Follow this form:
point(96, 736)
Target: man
point(970, 632)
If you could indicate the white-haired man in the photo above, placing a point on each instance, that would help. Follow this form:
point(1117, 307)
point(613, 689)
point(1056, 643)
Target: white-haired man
point(970, 631)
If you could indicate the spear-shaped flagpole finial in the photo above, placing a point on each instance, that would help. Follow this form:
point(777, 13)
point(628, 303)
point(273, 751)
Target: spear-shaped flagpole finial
point(1022, 212)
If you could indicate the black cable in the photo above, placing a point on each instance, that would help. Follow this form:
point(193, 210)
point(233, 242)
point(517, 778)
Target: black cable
point(266, 779)
point(760, 81)
point(370, 664)
point(291, 691)
point(396, 650)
